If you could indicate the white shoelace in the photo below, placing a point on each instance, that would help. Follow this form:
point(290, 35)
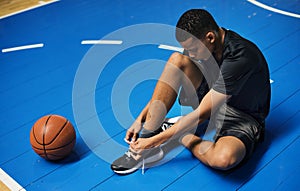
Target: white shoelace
point(143, 167)
point(130, 154)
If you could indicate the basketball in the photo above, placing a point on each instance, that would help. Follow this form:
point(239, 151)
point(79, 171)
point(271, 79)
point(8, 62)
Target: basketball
point(52, 137)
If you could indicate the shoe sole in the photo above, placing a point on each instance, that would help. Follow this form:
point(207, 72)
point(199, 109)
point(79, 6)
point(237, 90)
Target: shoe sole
point(148, 160)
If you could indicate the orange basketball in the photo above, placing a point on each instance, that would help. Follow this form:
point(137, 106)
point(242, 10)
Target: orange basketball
point(52, 137)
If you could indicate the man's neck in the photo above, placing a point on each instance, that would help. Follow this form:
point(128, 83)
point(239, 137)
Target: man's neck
point(219, 45)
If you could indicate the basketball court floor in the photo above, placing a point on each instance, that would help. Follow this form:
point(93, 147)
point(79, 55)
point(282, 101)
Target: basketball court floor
point(96, 63)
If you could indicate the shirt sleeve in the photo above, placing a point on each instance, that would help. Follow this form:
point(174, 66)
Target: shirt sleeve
point(235, 71)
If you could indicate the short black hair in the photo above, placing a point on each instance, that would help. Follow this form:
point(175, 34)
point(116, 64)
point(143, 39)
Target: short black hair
point(195, 22)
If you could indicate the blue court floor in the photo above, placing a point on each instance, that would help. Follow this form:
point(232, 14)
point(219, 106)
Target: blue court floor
point(101, 88)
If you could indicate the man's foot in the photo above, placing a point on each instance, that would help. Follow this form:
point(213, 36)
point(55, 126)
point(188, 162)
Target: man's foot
point(130, 162)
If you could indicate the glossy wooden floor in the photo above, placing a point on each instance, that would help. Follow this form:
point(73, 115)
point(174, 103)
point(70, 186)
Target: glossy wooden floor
point(9, 7)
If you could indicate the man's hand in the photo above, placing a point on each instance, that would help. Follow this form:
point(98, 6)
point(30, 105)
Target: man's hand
point(133, 132)
point(142, 144)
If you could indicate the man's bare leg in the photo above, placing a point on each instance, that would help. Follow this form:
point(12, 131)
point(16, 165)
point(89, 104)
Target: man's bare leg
point(179, 71)
point(225, 154)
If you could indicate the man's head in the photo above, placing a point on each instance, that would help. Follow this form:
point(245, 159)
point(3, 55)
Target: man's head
point(194, 29)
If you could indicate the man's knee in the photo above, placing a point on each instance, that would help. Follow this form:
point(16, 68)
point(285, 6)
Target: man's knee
point(179, 60)
point(225, 160)
point(222, 161)
point(228, 153)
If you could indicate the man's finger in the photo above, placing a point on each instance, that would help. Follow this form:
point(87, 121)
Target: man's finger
point(134, 149)
point(134, 137)
point(127, 141)
point(128, 136)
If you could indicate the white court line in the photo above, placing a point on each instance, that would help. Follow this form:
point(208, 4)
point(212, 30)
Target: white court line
point(101, 42)
point(273, 9)
point(167, 47)
point(42, 3)
point(9, 181)
point(23, 47)
point(271, 81)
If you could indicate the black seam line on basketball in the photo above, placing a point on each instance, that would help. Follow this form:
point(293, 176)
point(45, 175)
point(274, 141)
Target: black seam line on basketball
point(52, 155)
point(35, 136)
point(44, 131)
point(33, 132)
point(58, 132)
point(56, 147)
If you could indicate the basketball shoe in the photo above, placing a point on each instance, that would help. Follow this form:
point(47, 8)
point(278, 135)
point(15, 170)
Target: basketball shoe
point(130, 161)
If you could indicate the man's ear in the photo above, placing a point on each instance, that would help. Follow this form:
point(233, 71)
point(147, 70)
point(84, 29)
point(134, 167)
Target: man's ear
point(210, 37)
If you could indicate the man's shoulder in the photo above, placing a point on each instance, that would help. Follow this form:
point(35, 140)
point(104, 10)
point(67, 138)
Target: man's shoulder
point(234, 41)
point(236, 46)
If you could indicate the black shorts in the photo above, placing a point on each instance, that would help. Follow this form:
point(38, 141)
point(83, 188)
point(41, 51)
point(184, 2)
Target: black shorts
point(229, 121)
point(187, 100)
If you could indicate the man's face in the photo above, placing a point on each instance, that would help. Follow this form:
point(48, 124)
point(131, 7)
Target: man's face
point(196, 48)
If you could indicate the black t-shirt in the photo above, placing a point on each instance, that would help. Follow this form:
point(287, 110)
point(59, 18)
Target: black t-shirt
point(244, 76)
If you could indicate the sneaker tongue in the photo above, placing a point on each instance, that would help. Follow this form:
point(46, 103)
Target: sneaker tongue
point(134, 155)
point(128, 153)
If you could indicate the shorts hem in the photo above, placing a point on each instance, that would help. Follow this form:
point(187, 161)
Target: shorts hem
point(248, 143)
